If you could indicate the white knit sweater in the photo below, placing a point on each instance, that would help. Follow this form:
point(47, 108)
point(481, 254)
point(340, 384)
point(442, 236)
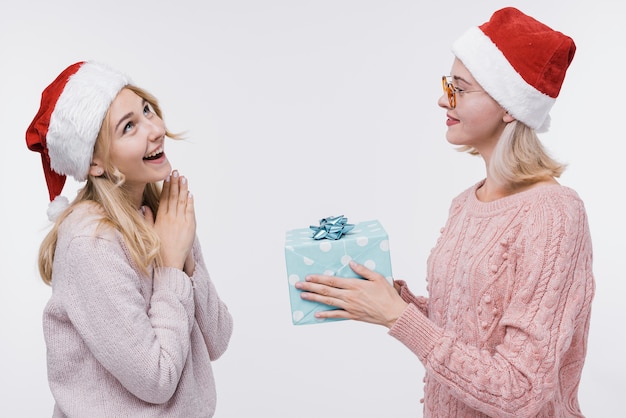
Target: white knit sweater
point(123, 344)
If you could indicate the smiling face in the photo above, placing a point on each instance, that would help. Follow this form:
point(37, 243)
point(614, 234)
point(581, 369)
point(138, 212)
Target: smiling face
point(477, 120)
point(137, 136)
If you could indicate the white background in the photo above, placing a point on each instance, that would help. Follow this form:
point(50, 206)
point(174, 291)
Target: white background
point(297, 110)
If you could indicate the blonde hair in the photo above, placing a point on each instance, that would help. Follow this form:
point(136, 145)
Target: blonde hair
point(109, 193)
point(519, 157)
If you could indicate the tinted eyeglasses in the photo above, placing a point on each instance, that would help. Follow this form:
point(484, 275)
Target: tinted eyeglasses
point(451, 90)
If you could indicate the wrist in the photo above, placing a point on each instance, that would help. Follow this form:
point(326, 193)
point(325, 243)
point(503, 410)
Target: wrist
point(398, 311)
point(172, 263)
point(190, 265)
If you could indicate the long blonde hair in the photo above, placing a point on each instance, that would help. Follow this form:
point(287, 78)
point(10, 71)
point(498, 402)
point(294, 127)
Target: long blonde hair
point(109, 193)
point(519, 157)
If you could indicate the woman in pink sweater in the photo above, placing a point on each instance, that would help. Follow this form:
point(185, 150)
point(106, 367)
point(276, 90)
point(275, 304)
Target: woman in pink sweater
point(134, 320)
point(504, 330)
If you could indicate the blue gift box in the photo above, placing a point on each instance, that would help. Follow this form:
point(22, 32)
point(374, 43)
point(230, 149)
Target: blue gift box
point(367, 243)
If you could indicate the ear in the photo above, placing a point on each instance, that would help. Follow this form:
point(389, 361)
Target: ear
point(507, 118)
point(97, 167)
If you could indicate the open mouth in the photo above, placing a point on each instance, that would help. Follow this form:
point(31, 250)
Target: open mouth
point(155, 155)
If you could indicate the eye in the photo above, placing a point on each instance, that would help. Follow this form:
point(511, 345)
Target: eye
point(128, 127)
point(147, 109)
point(454, 88)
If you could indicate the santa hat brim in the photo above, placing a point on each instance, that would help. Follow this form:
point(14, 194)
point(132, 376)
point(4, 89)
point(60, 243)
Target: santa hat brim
point(78, 115)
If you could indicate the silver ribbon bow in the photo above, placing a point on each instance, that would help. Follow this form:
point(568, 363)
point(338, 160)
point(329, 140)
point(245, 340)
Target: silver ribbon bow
point(331, 228)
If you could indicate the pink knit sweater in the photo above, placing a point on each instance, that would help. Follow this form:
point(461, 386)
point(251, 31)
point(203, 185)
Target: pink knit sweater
point(123, 344)
point(504, 330)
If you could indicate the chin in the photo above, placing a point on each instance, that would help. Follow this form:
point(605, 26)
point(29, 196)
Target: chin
point(456, 141)
point(156, 178)
point(453, 141)
point(165, 171)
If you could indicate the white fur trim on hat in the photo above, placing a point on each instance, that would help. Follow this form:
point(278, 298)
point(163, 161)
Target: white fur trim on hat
point(78, 115)
point(506, 86)
point(57, 207)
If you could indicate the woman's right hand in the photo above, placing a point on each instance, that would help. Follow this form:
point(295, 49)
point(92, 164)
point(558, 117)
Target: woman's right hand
point(175, 223)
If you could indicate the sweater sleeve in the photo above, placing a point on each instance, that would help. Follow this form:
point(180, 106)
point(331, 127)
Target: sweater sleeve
point(145, 348)
point(420, 302)
point(550, 297)
point(212, 315)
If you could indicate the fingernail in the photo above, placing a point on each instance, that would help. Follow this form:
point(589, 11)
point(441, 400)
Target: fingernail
point(175, 174)
point(183, 180)
point(189, 195)
point(167, 179)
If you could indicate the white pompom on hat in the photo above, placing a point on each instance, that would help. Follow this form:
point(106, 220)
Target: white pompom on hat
point(519, 61)
point(70, 116)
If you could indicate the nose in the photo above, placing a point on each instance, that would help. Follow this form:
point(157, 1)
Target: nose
point(156, 128)
point(443, 101)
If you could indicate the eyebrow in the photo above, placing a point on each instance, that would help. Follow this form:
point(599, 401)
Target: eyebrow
point(458, 77)
point(128, 115)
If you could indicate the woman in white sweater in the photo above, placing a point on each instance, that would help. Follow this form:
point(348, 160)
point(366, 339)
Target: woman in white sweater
point(134, 319)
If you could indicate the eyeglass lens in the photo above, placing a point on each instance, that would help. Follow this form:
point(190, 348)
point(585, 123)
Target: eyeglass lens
point(448, 88)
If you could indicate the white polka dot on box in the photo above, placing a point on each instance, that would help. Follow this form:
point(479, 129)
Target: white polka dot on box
point(367, 244)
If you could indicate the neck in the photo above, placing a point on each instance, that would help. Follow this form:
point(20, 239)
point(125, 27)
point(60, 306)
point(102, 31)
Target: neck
point(491, 191)
point(136, 195)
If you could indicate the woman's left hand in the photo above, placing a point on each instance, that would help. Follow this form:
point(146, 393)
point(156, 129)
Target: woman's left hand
point(371, 299)
point(175, 223)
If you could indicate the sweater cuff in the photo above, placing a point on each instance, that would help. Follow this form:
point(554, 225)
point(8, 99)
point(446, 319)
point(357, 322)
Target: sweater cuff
point(416, 331)
point(173, 280)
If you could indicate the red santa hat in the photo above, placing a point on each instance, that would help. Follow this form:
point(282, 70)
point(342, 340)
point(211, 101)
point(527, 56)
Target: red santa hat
point(65, 129)
point(519, 61)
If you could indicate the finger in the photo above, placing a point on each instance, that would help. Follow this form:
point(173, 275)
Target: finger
point(334, 313)
point(397, 286)
point(191, 212)
point(321, 298)
point(364, 272)
point(329, 281)
point(173, 191)
point(183, 194)
point(317, 288)
point(165, 193)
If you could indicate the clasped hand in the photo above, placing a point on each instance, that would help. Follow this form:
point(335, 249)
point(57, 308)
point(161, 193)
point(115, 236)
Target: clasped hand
point(175, 223)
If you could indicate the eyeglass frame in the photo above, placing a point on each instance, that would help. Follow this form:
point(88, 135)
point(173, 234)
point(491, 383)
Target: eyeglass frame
point(451, 90)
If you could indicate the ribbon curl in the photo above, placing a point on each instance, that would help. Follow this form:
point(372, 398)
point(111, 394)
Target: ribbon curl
point(331, 228)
